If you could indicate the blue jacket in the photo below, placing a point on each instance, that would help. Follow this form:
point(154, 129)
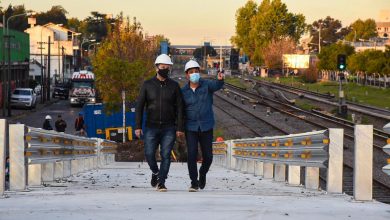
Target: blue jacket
point(198, 105)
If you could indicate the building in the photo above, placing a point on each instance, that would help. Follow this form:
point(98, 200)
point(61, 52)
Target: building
point(64, 50)
point(20, 52)
point(383, 24)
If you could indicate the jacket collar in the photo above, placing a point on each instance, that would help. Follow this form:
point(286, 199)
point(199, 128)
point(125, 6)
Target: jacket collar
point(187, 86)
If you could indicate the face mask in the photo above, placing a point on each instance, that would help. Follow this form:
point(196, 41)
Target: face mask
point(163, 72)
point(194, 77)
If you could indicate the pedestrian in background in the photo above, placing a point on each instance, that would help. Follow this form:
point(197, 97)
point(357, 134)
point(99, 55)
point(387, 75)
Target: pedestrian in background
point(46, 123)
point(79, 125)
point(199, 121)
point(60, 124)
point(164, 119)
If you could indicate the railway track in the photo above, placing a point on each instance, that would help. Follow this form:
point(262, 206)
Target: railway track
point(379, 113)
point(381, 182)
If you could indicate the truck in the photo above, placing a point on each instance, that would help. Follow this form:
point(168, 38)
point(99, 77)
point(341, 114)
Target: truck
point(82, 89)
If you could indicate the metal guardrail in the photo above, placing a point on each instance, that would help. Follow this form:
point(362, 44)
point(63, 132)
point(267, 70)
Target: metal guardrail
point(49, 146)
point(38, 155)
point(270, 156)
point(386, 149)
point(309, 149)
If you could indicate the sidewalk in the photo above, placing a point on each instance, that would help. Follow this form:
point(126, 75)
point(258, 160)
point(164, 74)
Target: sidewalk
point(122, 191)
point(20, 113)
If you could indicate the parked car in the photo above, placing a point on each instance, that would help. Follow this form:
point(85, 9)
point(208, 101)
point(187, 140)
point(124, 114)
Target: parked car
point(61, 91)
point(24, 97)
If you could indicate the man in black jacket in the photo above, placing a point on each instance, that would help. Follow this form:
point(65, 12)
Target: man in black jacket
point(60, 124)
point(164, 119)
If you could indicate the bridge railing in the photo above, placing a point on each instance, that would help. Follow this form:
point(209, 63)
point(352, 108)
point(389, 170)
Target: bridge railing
point(270, 156)
point(38, 156)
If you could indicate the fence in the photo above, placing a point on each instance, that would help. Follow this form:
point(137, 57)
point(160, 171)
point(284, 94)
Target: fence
point(270, 156)
point(376, 79)
point(38, 156)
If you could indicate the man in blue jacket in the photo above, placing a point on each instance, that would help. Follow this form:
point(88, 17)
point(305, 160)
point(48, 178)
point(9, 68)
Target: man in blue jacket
point(199, 121)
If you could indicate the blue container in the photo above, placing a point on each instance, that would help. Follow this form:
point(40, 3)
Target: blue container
point(98, 122)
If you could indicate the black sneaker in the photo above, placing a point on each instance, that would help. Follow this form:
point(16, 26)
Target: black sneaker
point(161, 187)
point(154, 180)
point(194, 187)
point(202, 181)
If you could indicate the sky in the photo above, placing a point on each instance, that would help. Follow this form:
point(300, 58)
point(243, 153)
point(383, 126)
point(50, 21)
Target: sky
point(191, 22)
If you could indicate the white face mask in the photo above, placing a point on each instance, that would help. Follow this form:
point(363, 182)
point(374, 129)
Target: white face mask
point(194, 77)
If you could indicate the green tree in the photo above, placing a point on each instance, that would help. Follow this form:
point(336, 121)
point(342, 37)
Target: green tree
point(56, 15)
point(98, 25)
point(271, 21)
point(331, 31)
point(244, 17)
point(17, 23)
point(370, 61)
point(362, 30)
point(328, 55)
point(123, 60)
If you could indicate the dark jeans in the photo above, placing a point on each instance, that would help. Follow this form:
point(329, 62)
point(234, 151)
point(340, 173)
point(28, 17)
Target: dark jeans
point(205, 139)
point(165, 137)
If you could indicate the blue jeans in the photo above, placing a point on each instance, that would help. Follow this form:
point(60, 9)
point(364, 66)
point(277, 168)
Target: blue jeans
point(165, 137)
point(205, 139)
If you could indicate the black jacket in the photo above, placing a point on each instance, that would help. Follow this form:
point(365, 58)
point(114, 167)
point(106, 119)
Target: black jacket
point(60, 125)
point(47, 125)
point(164, 104)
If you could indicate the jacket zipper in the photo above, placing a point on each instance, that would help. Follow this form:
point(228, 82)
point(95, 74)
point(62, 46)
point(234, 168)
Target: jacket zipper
point(161, 94)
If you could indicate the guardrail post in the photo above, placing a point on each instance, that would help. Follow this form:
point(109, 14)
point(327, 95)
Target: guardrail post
point(244, 165)
point(363, 162)
point(335, 166)
point(280, 172)
point(81, 164)
point(74, 167)
point(268, 170)
point(259, 168)
point(48, 172)
point(34, 174)
point(67, 168)
point(58, 170)
point(312, 178)
point(232, 161)
point(18, 178)
point(3, 126)
point(294, 175)
point(251, 166)
point(238, 164)
point(95, 162)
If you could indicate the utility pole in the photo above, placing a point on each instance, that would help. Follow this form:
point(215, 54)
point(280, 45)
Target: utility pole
point(319, 39)
point(63, 65)
point(42, 75)
point(9, 75)
point(59, 60)
point(48, 67)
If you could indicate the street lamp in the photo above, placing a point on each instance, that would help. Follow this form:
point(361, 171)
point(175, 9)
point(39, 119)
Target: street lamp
point(9, 57)
point(94, 45)
point(81, 48)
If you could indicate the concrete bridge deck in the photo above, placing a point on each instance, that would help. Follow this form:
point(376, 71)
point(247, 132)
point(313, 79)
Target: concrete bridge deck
point(122, 191)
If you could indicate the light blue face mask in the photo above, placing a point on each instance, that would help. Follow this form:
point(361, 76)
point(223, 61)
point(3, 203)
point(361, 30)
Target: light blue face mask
point(194, 77)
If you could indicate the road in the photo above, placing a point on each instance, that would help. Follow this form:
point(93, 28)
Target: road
point(35, 118)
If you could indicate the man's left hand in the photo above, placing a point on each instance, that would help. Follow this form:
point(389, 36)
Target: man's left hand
point(221, 76)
